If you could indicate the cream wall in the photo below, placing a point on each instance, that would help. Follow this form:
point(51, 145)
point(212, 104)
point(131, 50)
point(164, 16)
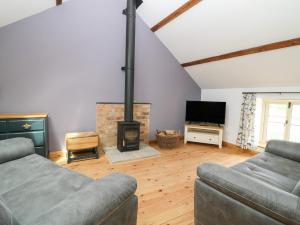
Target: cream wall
point(233, 98)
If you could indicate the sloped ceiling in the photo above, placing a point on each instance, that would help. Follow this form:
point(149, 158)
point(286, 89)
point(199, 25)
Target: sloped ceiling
point(211, 28)
point(14, 10)
point(215, 27)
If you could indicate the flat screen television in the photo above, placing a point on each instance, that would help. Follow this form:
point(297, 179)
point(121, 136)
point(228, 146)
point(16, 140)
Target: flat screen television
point(205, 112)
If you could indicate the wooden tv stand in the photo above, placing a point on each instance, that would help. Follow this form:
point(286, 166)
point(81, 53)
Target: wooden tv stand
point(203, 134)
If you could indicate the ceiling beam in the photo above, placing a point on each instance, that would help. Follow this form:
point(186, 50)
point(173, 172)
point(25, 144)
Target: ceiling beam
point(58, 2)
point(262, 48)
point(175, 14)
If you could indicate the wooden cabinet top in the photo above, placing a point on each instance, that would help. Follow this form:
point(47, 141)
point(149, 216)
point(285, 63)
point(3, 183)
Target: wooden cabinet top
point(81, 135)
point(208, 127)
point(23, 116)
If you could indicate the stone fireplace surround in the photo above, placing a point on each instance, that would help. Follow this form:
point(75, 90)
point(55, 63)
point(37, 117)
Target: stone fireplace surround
point(109, 113)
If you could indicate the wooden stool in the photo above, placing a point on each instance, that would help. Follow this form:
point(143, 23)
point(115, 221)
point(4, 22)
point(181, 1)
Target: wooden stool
point(84, 145)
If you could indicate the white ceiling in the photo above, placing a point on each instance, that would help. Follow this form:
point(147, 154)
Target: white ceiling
point(279, 68)
point(161, 8)
point(211, 28)
point(215, 27)
point(14, 10)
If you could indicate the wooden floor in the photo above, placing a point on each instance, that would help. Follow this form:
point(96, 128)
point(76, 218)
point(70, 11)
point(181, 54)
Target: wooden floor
point(165, 183)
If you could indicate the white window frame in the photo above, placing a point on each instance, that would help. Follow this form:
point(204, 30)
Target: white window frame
point(264, 119)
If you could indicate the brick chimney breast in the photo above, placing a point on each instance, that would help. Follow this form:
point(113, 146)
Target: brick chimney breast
point(108, 114)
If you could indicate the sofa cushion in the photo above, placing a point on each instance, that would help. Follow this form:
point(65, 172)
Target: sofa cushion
point(277, 164)
point(15, 148)
point(98, 203)
point(265, 198)
point(44, 185)
point(285, 149)
point(23, 170)
point(267, 176)
point(6, 216)
point(296, 190)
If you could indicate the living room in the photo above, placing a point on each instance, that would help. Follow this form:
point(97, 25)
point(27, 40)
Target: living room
point(147, 112)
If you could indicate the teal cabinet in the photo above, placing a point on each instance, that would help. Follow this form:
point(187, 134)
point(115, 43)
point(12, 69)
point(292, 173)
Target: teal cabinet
point(2, 126)
point(25, 125)
point(3, 136)
point(40, 150)
point(33, 126)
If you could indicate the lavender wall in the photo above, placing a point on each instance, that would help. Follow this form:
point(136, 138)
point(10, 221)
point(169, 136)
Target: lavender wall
point(66, 59)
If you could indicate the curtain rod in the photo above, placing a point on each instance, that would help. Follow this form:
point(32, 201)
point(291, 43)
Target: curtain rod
point(266, 92)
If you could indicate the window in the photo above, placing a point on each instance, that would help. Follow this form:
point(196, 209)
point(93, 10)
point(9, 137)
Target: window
point(280, 120)
point(294, 131)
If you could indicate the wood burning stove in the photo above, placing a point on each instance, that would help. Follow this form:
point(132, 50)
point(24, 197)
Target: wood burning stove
point(128, 136)
point(129, 130)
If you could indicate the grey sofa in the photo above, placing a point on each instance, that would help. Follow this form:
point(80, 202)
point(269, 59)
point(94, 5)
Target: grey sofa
point(35, 191)
point(264, 190)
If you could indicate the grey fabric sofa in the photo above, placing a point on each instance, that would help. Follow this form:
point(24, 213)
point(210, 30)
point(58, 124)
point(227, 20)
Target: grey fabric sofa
point(264, 190)
point(35, 191)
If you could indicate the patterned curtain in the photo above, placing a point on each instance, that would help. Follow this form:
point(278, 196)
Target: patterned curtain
point(246, 137)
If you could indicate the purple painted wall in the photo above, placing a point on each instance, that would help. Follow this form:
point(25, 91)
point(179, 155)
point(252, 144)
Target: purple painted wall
point(66, 59)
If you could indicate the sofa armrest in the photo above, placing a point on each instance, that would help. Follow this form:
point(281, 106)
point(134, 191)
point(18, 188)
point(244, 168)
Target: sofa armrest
point(94, 204)
point(285, 149)
point(15, 148)
point(263, 197)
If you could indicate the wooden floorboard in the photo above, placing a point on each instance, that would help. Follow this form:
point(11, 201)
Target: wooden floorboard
point(165, 183)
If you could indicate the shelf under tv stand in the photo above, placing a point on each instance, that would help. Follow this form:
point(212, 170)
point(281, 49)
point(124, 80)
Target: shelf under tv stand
point(207, 134)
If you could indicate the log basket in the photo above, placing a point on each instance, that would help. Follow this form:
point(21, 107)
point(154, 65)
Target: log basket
point(168, 138)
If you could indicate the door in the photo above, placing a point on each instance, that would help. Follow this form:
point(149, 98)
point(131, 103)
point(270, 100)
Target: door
point(281, 121)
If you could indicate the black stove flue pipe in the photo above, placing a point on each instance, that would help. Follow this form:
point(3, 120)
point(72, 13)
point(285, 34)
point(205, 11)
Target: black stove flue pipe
point(130, 13)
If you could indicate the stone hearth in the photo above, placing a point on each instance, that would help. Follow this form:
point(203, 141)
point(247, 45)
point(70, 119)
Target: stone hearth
point(108, 115)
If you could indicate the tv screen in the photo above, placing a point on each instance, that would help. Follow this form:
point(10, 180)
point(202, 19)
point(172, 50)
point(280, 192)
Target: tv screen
point(205, 112)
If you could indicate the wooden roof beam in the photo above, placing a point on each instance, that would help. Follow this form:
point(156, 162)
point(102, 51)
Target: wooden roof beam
point(175, 14)
point(262, 48)
point(58, 2)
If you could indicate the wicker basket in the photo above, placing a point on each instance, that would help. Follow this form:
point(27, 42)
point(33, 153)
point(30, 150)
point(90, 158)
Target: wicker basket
point(168, 139)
